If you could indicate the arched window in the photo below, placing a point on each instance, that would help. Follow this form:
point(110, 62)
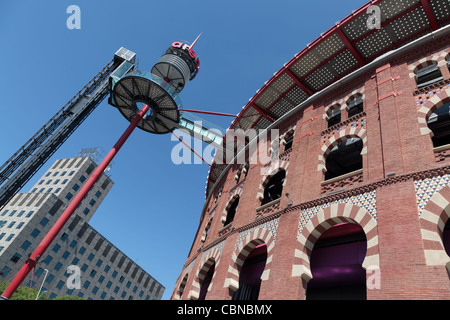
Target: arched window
point(334, 115)
point(231, 212)
point(242, 170)
point(289, 142)
point(182, 286)
point(250, 275)
point(288, 139)
point(439, 124)
point(245, 170)
point(427, 75)
point(336, 264)
point(355, 105)
point(206, 231)
point(344, 158)
point(274, 188)
point(204, 285)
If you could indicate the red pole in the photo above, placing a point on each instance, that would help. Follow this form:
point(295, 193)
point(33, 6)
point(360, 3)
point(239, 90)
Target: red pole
point(209, 112)
point(181, 140)
point(31, 262)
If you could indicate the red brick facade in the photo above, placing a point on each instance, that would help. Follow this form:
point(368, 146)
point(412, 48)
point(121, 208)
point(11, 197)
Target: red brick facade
point(403, 227)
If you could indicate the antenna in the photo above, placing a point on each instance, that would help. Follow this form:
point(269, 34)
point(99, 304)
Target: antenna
point(195, 41)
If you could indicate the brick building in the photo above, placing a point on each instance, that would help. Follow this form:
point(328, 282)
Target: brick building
point(355, 201)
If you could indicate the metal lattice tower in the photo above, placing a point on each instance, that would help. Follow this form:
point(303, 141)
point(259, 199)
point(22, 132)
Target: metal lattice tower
point(21, 167)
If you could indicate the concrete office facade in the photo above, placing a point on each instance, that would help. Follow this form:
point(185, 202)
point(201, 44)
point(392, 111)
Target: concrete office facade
point(106, 273)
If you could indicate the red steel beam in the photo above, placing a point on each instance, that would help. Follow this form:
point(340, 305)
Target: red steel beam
point(209, 112)
point(350, 47)
point(431, 19)
point(302, 86)
point(193, 151)
point(262, 113)
point(30, 263)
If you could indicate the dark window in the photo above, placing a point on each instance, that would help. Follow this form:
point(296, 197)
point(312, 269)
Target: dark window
point(16, 257)
point(446, 237)
point(231, 212)
point(289, 142)
point(274, 187)
point(334, 116)
point(355, 106)
point(344, 158)
point(206, 282)
point(428, 75)
point(336, 264)
point(439, 124)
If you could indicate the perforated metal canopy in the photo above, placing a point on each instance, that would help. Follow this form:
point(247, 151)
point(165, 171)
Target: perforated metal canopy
point(346, 47)
point(140, 87)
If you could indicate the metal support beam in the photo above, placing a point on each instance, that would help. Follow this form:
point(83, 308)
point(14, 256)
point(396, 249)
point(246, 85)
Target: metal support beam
point(430, 16)
point(51, 235)
point(350, 47)
point(302, 86)
point(263, 113)
point(21, 167)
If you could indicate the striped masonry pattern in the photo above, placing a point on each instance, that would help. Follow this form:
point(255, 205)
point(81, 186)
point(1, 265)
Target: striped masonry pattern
point(342, 103)
point(432, 222)
point(180, 285)
point(325, 219)
point(233, 196)
point(253, 239)
point(429, 107)
point(440, 59)
point(179, 293)
point(274, 168)
point(212, 257)
point(337, 138)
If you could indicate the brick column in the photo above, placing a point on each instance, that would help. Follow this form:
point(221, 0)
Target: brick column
point(404, 274)
point(281, 285)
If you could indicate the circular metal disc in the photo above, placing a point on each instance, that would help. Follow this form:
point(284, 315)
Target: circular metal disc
point(132, 91)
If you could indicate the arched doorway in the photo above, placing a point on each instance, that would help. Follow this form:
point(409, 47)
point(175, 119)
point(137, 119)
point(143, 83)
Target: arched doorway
point(336, 264)
point(205, 283)
point(250, 275)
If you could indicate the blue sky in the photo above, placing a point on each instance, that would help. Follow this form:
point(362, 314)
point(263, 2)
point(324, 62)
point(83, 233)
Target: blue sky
point(153, 210)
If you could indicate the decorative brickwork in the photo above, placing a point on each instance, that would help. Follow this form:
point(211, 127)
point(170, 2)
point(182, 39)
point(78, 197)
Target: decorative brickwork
point(335, 139)
point(326, 218)
point(244, 246)
point(400, 198)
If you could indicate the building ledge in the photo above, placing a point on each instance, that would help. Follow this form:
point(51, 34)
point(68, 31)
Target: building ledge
point(267, 205)
point(344, 176)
